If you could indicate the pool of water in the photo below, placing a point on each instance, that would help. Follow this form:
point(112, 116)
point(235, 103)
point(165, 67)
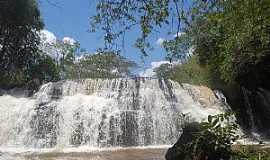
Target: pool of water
point(105, 154)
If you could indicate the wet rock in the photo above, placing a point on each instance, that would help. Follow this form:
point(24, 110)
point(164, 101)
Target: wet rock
point(204, 95)
point(189, 131)
point(2, 92)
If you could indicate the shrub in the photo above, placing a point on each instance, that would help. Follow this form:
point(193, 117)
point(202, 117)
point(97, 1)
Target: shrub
point(191, 72)
point(215, 139)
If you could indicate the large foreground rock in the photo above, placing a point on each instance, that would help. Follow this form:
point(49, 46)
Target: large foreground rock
point(189, 132)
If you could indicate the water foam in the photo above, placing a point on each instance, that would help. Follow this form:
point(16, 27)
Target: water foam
point(102, 114)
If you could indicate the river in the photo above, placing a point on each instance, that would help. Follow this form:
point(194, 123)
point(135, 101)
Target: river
point(104, 154)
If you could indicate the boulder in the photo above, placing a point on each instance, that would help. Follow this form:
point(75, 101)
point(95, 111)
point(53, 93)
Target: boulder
point(189, 132)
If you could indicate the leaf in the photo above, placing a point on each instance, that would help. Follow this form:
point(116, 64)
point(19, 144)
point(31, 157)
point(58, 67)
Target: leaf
point(210, 118)
point(204, 124)
point(218, 126)
point(215, 122)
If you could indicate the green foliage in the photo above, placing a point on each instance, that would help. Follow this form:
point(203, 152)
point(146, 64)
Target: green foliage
point(115, 17)
point(215, 139)
point(230, 37)
point(15, 14)
point(66, 62)
point(45, 70)
point(255, 155)
point(251, 152)
point(104, 65)
point(233, 38)
point(178, 48)
point(190, 71)
point(164, 71)
point(19, 22)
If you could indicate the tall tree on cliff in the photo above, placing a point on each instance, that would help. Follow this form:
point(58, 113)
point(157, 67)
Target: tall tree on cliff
point(20, 58)
point(104, 64)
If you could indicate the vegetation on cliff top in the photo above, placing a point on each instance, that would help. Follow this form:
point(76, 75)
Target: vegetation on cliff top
point(19, 55)
point(230, 38)
point(27, 60)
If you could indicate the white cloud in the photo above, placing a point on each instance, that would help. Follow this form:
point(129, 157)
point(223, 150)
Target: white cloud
point(158, 63)
point(49, 41)
point(160, 41)
point(69, 40)
point(47, 45)
point(150, 71)
point(47, 37)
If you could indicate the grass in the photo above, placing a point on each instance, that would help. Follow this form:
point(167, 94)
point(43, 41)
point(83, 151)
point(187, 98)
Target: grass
point(251, 152)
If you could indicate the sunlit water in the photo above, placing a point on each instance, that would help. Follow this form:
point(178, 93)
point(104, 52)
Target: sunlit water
point(81, 153)
point(97, 113)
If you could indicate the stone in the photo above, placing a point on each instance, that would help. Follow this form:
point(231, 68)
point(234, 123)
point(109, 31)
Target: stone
point(189, 131)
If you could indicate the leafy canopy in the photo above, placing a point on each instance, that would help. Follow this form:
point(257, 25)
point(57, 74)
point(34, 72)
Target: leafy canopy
point(229, 36)
point(115, 17)
point(104, 65)
point(19, 53)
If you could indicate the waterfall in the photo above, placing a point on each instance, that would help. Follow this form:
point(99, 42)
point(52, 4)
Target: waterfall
point(256, 102)
point(249, 111)
point(103, 113)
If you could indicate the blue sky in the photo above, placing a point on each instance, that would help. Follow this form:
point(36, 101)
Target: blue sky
point(72, 19)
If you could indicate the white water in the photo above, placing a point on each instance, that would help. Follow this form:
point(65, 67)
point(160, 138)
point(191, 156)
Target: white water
point(102, 113)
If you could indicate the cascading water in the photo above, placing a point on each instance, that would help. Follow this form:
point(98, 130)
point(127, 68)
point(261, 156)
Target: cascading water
point(249, 111)
point(257, 104)
point(103, 113)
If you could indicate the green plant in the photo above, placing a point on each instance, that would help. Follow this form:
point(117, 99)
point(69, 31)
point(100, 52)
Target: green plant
point(19, 22)
point(251, 152)
point(191, 72)
point(215, 139)
point(105, 64)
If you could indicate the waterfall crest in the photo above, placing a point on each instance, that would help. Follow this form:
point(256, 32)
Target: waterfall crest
point(103, 113)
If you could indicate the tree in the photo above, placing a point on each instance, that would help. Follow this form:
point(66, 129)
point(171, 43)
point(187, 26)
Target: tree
point(20, 22)
point(66, 62)
point(44, 70)
point(193, 73)
point(215, 139)
point(63, 52)
point(115, 17)
point(104, 64)
point(163, 71)
point(231, 37)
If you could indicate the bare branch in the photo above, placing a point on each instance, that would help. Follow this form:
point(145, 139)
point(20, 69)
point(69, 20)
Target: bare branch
point(52, 3)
